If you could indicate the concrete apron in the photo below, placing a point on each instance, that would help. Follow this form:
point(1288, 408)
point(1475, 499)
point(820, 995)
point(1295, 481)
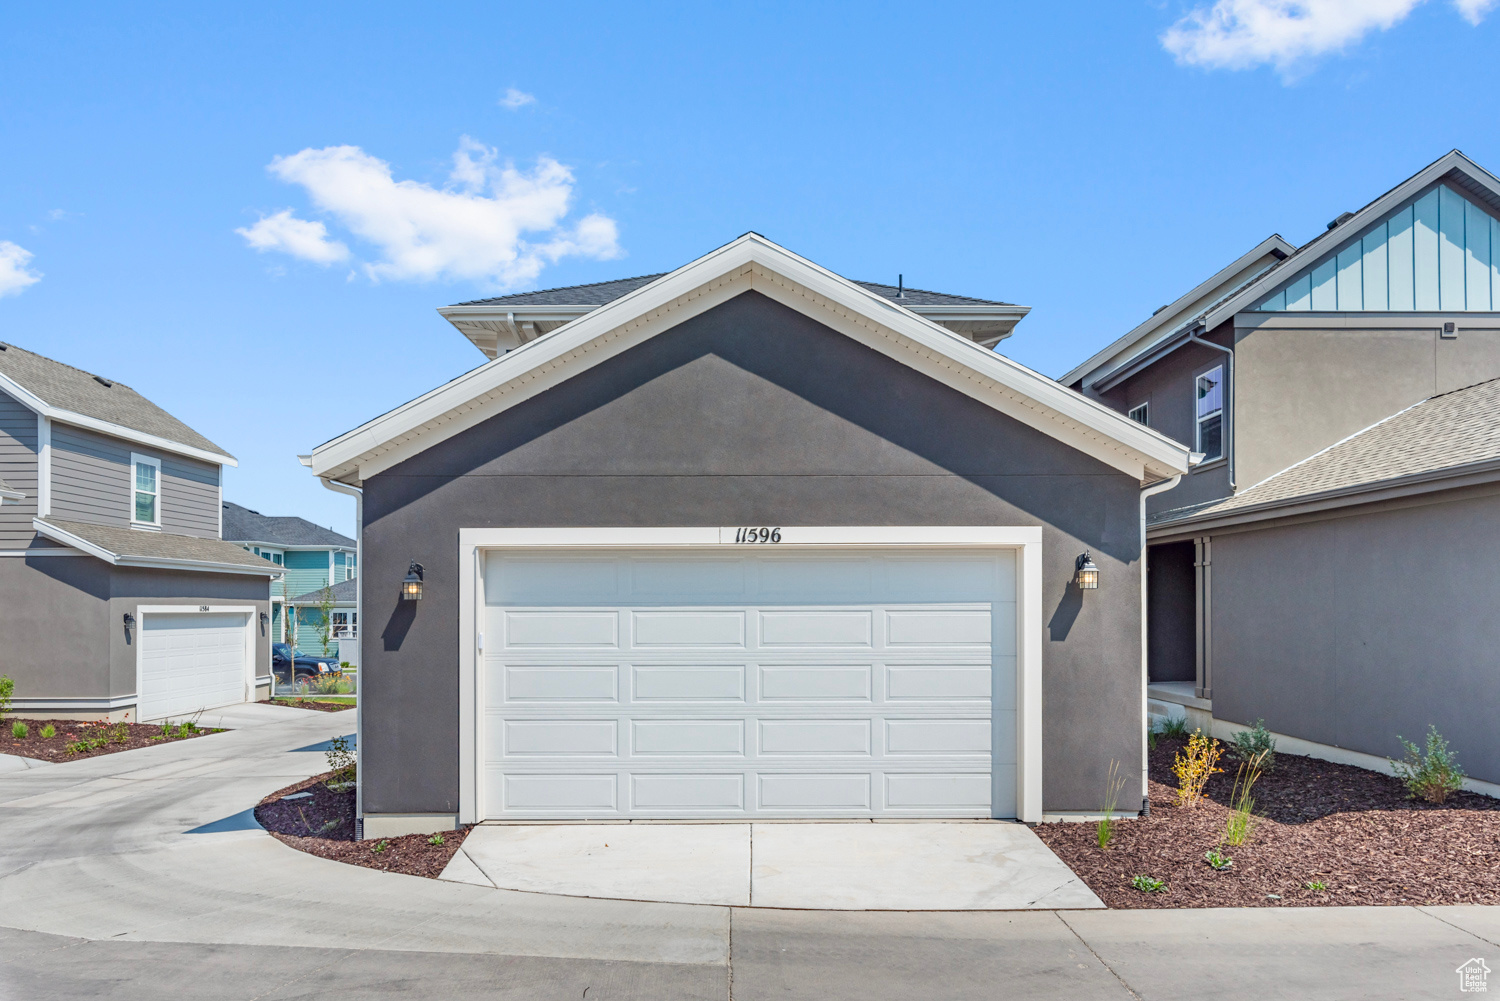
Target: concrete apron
point(937, 866)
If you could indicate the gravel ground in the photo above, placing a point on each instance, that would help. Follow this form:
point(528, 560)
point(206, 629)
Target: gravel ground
point(322, 824)
point(34, 745)
point(1352, 829)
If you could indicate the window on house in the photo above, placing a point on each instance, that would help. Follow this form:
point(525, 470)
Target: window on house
point(145, 477)
point(1210, 414)
point(345, 625)
point(274, 555)
point(350, 566)
point(1141, 414)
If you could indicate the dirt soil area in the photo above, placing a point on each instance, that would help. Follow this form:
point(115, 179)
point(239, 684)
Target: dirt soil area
point(324, 707)
point(322, 824)
point(1351, 829)
point(116, 737)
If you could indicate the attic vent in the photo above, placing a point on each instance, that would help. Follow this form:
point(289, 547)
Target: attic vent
point(1343, 217)
point(103, 381)
point(3, 345)
point(1158, 309)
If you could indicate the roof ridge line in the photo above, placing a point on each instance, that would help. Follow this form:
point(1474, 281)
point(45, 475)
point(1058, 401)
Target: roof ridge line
point(560, 288)
point(80, 371)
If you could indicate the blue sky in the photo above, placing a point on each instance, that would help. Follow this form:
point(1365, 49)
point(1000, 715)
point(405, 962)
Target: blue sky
point(1090, 160)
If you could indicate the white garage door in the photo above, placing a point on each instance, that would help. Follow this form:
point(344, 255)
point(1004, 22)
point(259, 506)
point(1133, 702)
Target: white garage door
point(191, 661)
point(765, 684)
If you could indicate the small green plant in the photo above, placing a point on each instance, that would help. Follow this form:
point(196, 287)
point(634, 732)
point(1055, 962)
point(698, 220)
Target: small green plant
point(1217, 859)
point(7, 690)
point(1256, 742)
point(1241, 803)
point(1194, 766)
point(1149, 884)
point(1175, 726)
point(1151, 738)
point(19, 730)
point(380, 846)
point(342, 762)
point(1112, 786)
point(119, 734)
point(48, 731)
point(435, 840)
point(329, 684)
point(1432, 776)
point(1316, 885)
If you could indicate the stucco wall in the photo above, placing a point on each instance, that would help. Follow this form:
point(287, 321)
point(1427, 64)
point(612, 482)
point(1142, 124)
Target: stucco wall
point(1351, 631)
point(1171, 634)
point(748, 414)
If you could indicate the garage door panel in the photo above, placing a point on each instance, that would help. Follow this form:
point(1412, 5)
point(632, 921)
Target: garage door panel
point(563, 630)
point(945, 628)
point(816, 684)
point(937, 682)
point(688, 792)
point(937, 736)
point(817, 628)
point(711, 580)
point(815, 736)
point(949, 578)
point(550, 738)
point(926, 791)
point(521, 683)
point(821, 580)
point(688, 738)
point(686, 628)
point(554, 580)
point(815, 793)
point(688, 683)
point(563, 793)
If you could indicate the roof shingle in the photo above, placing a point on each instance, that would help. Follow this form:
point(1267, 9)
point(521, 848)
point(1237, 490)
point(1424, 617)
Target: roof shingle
point(132, 544)
point(244, 525)
point(602, 293)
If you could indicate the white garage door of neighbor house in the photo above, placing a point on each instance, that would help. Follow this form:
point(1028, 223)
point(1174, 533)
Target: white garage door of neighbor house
point(782, 683)
point(191, 661)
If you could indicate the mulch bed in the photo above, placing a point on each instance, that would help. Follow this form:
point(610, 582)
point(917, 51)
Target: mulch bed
point(34, 745)
point(324, 707)
point(1350, 828)
point(323, 824)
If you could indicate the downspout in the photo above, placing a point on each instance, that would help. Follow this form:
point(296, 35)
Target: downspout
point(1151, 491)
point(1228, 403)
point(359, 636)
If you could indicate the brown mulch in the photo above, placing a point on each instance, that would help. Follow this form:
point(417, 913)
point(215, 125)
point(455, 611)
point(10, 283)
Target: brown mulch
point(1350, 828)
point(323, 825)
point(34, 745)
point(323, 707)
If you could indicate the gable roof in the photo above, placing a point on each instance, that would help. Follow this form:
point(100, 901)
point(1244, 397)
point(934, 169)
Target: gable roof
point(1450, 434)
point(162, 550)
point(1187, 310)
point(750, 263)
point(503, 323)
point(345, 592)
point(1454, 169)
point(64, 393)
point(9, 494)
point(281, 531)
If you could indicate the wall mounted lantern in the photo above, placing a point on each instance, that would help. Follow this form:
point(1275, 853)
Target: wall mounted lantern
point(265, 620)
point(1086, 574)
point(129, 621)
point(411, 584)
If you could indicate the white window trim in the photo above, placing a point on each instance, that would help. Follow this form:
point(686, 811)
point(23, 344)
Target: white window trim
point(1223, 413)
point(1027, 541)
point(137, 459)
point(43, 466)
point(1144, 409)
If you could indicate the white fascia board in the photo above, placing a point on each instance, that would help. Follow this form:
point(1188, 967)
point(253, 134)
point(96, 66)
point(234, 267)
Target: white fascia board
point(1311, 251)
point(749, 262)
point(58, 535)
point(7, 494)
point(1172, 315)
point(35, 403)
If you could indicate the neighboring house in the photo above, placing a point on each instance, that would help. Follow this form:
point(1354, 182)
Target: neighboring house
point(118, 599)
point(343, 621)
point(311, 557)
point(1323, 567)
point(747, 540)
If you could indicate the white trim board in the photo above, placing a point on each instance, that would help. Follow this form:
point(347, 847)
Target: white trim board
point(749, 263)
point(474, 542)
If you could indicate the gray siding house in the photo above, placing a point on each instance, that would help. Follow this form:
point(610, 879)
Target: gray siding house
point(1322, 567)
point(746, 540)
point(118, 599)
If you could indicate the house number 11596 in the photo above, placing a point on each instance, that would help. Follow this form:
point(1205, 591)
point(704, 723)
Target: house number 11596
point(756, 536)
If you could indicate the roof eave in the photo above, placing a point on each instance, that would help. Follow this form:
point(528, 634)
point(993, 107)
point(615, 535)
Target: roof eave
point(66, 538)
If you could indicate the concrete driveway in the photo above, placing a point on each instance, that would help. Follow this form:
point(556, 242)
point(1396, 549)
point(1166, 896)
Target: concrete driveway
point(104, 894)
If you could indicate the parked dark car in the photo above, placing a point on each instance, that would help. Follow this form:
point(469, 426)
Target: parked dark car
point(308, 665)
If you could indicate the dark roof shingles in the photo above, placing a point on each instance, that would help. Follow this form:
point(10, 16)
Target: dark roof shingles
point(244, 525)
point(602, 293)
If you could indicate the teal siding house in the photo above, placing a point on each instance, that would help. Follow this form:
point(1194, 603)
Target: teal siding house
point(314, 557)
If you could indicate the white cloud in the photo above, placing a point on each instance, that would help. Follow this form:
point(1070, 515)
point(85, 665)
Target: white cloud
point(298, 237)
point(514, 98)
point(1287, 34)
point(14, 274)
point(492, 222)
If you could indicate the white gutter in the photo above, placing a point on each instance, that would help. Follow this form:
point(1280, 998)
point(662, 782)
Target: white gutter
point(1151, 491)
point(359, 635)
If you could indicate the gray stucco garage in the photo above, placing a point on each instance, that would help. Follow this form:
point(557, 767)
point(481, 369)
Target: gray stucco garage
point(749, 541)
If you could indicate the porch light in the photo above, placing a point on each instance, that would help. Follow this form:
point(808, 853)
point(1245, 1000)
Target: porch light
point(411, 584)
point(1086, 576)
point(129, 620)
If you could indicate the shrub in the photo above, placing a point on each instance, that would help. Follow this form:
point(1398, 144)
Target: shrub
point(7, 690)
point(1241, 802)
point(1217, 859)
point(1431, 776)
point(1256, 741)
point(1175, 726)
point(49, 731)
point(1112, 786)
point(1194, 766)
point(329, 684)
point(19, 730)
point(342, 762)
point(1149, 884)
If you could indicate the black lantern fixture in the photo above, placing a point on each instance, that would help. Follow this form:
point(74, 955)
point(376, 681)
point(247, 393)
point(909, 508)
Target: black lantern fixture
point(1086, 574)
point(411, 584)
point(129, 620)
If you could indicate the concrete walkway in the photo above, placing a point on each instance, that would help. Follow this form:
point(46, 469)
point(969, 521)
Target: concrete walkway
point(962, 866)
point(103, 893)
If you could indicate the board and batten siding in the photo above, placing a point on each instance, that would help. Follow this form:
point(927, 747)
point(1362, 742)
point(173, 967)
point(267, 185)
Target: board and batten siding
point(1438, 252)
point(18, 468)
point(91, 483)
